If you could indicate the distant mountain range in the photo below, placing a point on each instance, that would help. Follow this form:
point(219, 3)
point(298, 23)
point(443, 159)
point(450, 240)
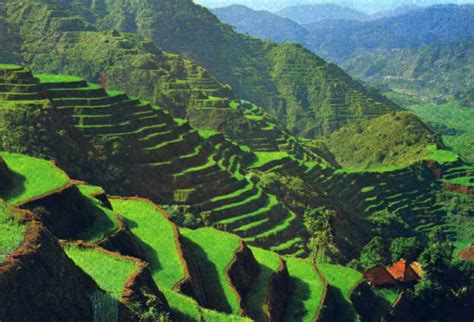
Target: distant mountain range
point(307, 14)
point(367, 6)
point(406, 48)
point(262, 24)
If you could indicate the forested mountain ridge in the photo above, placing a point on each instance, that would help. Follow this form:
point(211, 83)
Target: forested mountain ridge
point(437, 73)
point(307, 14)
point(414, 29)
point(240, 61)
point(261, 24)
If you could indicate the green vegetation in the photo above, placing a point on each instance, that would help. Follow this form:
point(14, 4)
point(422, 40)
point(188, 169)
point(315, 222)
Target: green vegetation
point(266, 157)
point(109, 271)
point(390, 295)
point(261, 71)
point(308, 291)
point(12, 231)
point(450, 120)
point(105, 221)
point(342, 280)
point(161, 251)
point(269, 263)
point(388, 141)
point(52, 78)
point(32, 178)
point(215, 258)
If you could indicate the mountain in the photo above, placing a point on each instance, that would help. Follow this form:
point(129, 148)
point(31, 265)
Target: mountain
point(115, 258)
point(307, 14)
point(403, 135)
point(398, 11)
point(415, 29)
point(239, 219)
point(436, 73)
point(249, 65)
point(367, 6)
point(261, 24)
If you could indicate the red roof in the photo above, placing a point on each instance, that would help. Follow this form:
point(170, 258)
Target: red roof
point(379, 276)
point(403, 272)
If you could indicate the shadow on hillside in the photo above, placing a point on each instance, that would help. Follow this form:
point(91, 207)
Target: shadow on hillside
point(265, 271)
point(344, 309)
point(296, 310)
point(151, 256)
point(102, 223)
point(212, 286)
point(16, 187)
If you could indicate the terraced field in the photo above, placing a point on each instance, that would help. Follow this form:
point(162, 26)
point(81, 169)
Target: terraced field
point(342, 280)
point(173, 161)
point(110, 271)
point(214, 258)
point(309, 290)
point(163, 250)
point(32, 178)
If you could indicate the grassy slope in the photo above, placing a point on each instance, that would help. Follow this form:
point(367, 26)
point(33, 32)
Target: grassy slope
point(145, 221)
point(452, 121)
point(343, 279)
point(214, 258)
point(308, 291)
point(256, 69)
point(387, 141)
point(32, 177)
point(108, 271)
point(12, 231)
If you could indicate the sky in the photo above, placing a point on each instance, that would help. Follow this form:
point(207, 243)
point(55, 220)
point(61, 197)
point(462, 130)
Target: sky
point(368, 6)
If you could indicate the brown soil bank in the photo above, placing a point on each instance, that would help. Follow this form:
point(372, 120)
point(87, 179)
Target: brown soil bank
point(467, 254)
point(65, 213)
point(40, 264)
point(279, 291)
point(459, 188)
point(243, 270)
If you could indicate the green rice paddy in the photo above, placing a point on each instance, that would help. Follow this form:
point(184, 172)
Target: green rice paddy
point(110, 272)
point(342, 279)
point(215, 251)
point(266, 157)
point(308, 291)
point(31, 178)
point(157, 235)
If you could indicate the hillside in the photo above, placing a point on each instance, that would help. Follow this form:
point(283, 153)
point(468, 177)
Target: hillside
point(261, 24)
point(307, 14)
point(414, 29)
point(435, 73)
point(132, 272)
point(389, 140)
point(206, 182)
point(250, 70)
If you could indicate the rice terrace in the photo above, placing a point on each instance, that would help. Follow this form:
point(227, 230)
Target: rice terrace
point(234, 160)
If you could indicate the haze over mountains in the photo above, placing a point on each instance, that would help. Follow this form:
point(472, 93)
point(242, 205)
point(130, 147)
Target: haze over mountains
point(367, 47)
point(367, 6)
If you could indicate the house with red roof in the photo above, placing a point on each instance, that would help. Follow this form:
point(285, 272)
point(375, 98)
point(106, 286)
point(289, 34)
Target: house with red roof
point(400, 272)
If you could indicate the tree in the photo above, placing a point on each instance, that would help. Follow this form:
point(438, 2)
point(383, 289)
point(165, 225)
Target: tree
point(375, 253)
point(407, 248)
point(317, 223)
